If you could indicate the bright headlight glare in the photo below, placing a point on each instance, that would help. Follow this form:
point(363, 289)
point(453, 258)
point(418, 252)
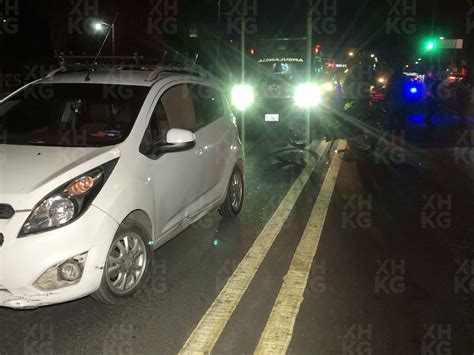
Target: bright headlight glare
point(307, 95)
point(328, 87)
point(242, 97)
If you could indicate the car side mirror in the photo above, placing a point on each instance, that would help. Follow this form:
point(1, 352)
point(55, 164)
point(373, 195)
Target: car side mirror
point(177, 140)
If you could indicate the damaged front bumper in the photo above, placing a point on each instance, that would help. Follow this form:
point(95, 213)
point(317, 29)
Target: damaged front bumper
point(30, 266)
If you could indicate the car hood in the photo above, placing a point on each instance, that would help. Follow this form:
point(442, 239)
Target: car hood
point(29, 173)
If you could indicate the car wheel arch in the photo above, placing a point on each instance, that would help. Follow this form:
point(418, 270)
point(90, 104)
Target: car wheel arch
point(143, 219)
point(240, 165)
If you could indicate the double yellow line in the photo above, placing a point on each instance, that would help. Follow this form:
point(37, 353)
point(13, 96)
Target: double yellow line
point(278, 332)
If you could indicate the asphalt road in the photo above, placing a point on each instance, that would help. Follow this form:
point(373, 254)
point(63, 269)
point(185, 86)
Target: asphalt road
point(333, 254)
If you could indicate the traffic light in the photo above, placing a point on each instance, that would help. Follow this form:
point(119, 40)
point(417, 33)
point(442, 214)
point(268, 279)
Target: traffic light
point(430, 45)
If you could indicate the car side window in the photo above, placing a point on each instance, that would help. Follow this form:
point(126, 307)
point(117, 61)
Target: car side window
point(179, 108)
point(174, 110)
point(157, 129)
point(208, 104)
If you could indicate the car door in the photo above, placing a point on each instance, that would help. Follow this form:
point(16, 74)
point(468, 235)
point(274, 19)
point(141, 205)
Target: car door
point(213, 118)
point(178, 178)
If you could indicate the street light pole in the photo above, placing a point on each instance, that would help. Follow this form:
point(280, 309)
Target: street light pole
point(99, 26)
point(242, 40)
point(309, 58)
point(433, 16)
point(243, 28)
point(113, 39)
point(309, 38)
point(218, 39)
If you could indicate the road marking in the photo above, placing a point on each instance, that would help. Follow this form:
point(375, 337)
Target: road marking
point(278, 331)
point(209, 329)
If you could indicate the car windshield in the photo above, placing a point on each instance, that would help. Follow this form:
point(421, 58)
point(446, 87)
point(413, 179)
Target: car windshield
point(271, 70)
point(72, 115)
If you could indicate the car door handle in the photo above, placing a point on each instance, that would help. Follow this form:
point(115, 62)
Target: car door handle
point(200, 152)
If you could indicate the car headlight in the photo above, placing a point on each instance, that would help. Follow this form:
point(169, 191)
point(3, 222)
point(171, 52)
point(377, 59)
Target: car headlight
point(242, 97)
point(328, 87)
point(307, 95)
point(68, 202)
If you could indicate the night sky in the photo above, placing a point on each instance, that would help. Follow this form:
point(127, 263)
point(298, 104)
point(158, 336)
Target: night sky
point(44, 25)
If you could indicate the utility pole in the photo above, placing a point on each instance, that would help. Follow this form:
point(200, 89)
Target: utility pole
point(218, 39)
point(433, 22)
point(309, 61)
point(113, 41)
point(309, 38)
point(242, 40)
point(433, 16)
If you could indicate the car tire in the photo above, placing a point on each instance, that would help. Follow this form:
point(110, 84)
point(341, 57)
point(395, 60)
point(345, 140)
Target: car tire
point(124, 263)
point(235, 195)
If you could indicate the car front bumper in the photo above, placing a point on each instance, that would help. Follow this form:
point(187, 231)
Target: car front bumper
point(24, 260)
point(288, 116)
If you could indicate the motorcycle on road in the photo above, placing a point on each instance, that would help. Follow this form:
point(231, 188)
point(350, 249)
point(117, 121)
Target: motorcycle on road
point(360, 122)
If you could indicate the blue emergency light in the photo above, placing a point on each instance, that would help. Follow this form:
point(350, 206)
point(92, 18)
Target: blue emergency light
point(413, 91)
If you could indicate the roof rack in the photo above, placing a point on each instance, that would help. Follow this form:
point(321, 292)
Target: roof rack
point(180, 64)
point(135, 59)
point(109, 61)
point(187, 68)
point(73, 63)
point(170, 69)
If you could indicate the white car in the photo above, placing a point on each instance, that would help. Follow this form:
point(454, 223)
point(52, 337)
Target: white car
point(97, 171)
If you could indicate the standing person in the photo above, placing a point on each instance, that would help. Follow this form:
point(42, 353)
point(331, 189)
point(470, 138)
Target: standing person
point(360, 127)
point(356, 90)
point(394, 100)
point(463, 100)
point(432, 98)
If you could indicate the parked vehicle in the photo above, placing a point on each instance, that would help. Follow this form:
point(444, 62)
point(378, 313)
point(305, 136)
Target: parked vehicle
point(99, 169)
point(278, 91)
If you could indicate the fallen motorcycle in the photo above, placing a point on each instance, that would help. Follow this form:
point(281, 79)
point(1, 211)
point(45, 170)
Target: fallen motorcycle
point(359, 122)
